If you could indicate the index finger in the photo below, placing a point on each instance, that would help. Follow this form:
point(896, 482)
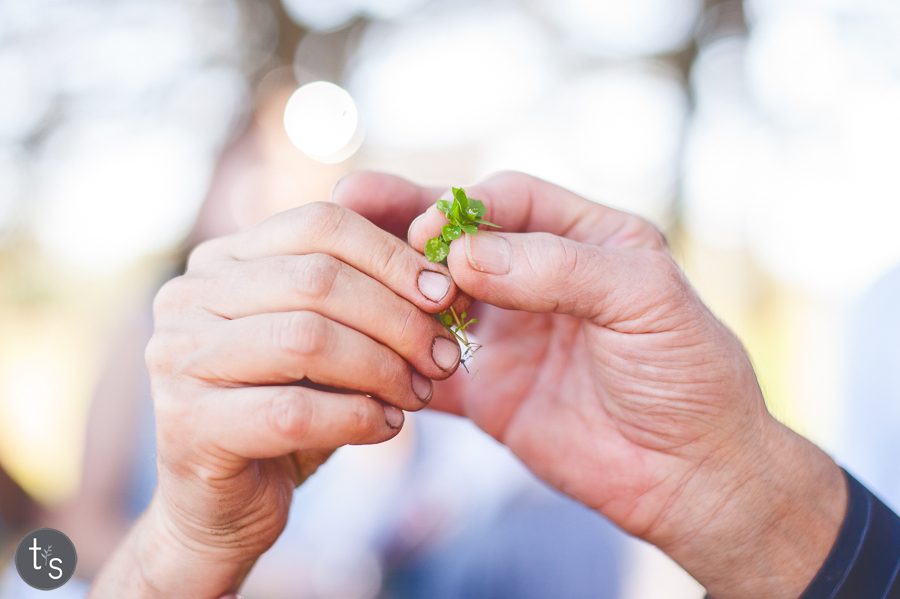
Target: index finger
point(326, 228)
point(522, 203)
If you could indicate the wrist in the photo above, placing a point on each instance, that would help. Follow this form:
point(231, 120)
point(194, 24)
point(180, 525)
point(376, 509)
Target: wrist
point(775, 513)
point(174, 559)
point(157, 561)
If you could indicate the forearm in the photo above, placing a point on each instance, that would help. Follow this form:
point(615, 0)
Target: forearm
point(775, 521)
point(153, 562)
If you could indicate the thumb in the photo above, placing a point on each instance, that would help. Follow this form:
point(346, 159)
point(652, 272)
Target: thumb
point(633, 290)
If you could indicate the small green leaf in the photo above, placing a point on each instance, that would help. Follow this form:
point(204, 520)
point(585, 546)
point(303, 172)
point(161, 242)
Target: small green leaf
point(455, 215)
point(451, 232)
point(476, 208)
point(436, 250)
point(446, 319)
point(484, 222)
point(470, 229)
point(463, 316)
point(444, 206)
point(473, 321)
point(460, 195)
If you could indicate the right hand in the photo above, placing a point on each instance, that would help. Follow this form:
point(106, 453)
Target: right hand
point(607, 376)
point(316, 293)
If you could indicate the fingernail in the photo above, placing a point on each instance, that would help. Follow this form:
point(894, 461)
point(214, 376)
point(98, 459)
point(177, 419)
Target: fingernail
point(445, 353)
point(411, 226)
point(394, 416)
point(488, 252)
point(422, 386)
point(433, 285)
point(333, 191)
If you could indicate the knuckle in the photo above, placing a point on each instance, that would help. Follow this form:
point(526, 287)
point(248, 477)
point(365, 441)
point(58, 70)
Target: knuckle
point(398, 379)
point(392, 374)
point(169, 358)
point(363, 419)
point(641, 233)
point(206, 251)
point(393, 257)
point(636, 232)
point(562, 256)
point(663, 269)
point(314, 275)
point(176, 413)
point(197, 289)
point(661, 265)
point(169, 413)
point(303, 333)
point(578, 264)
point(409, 329)
point(289, 416)
point(318, 220)
point(548, 256)
point(563, 264)
point(156, 355)
point(172, 297)
point(657, 240)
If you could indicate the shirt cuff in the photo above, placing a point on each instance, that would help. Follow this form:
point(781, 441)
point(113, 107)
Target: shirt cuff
point(865, 558)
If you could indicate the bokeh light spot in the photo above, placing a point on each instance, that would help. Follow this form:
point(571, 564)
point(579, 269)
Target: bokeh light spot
point(322, 120)
point(450, 78)
point(625, 29)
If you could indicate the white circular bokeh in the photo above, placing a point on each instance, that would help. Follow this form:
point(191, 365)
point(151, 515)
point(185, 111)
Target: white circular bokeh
point(322, 120)
point(329, 15)
point(798, 160)
point(613, 135)
point(115, 191)
point(449, 78)
point(625, 29)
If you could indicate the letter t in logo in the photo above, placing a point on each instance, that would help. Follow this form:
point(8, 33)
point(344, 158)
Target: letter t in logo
point(35, 549)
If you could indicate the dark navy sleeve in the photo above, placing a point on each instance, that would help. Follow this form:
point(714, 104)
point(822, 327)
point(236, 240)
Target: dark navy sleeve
point(864, 562)
point(865, 559)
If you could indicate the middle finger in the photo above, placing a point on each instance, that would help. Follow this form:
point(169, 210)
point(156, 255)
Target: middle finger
point(323, 284)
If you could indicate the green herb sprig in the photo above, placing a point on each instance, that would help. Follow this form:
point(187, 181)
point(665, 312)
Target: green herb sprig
point(464, 215)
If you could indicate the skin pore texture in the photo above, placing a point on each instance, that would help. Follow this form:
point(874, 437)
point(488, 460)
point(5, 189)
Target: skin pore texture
point(601, 370)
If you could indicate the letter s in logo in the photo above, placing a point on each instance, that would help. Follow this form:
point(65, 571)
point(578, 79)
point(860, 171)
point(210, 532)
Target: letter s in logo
point(57, 568)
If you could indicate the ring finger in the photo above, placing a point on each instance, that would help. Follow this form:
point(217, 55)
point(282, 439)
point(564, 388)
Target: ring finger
point(271, 349)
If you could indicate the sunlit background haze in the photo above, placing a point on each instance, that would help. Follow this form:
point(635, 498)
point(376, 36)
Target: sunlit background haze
point(763, 137)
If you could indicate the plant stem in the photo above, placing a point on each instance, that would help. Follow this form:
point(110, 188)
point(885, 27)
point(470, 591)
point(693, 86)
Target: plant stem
point(459, 326)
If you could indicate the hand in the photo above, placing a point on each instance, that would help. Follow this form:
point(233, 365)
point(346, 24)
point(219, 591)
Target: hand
point(317, 294)
point(607, 376)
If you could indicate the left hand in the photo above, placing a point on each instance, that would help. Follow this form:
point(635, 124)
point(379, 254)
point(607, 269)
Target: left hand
point(316, 295)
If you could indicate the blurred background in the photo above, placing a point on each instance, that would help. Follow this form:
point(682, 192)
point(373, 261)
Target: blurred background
point(763, 136)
